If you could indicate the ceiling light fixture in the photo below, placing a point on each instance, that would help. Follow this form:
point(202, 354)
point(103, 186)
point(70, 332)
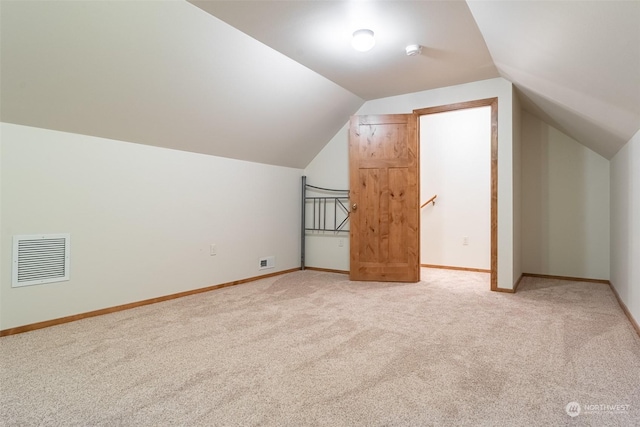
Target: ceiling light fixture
point(363, 40)
point(413, 49)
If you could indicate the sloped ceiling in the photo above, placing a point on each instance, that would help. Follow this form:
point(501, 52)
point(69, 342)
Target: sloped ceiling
point(273, 81)
point(576, 63)
point(162, 73)
point(317, 34)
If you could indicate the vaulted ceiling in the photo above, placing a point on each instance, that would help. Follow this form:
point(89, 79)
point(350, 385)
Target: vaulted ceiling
point(273, 81)
point(577, 63)
point(317, 34)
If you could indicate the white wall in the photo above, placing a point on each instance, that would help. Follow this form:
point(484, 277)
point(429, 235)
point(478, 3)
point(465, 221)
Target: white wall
point(329, 169)
point(455, 164)
point(498, 87)
point(141, 219)
point(565, 202)
point(625, 224)
point(517, 188)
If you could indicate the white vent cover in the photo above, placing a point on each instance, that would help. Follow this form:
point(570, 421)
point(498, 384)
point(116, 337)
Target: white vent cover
point(266, 262)
point(40, 258)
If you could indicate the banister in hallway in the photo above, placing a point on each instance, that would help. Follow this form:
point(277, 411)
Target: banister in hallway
point(431, 200)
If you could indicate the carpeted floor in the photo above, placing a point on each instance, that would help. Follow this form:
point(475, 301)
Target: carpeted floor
point(311, 348)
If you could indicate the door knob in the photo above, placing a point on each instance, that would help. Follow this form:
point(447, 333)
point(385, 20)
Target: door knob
point(354, 206)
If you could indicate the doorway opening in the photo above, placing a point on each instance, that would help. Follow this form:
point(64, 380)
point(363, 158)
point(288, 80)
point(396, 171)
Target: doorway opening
point(493, 174)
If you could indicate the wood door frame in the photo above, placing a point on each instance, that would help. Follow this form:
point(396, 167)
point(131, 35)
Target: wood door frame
point(493, 103)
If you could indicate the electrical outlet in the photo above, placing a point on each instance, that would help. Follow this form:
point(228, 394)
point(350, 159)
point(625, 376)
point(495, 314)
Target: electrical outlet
point(213, 250)
point(341, 243)
point(465, 240)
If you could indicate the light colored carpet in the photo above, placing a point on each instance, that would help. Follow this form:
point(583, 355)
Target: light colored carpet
point(311, 348)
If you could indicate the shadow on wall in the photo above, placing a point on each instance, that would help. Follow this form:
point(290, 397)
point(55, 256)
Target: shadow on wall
point(625, 228)
point(565, 204)
point(455, 164)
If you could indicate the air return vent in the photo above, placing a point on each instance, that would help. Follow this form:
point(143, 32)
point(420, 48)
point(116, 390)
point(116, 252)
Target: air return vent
point(266, 262)
point(40, 258)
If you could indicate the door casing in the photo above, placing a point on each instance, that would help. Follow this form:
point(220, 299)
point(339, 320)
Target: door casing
point(493, 103)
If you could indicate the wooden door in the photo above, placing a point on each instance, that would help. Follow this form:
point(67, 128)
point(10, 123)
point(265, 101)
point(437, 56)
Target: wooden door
point(384, 191)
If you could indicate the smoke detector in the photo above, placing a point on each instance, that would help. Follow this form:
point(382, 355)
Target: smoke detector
point(413, 49)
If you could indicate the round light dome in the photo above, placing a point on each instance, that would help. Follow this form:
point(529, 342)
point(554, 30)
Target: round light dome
point(363, 40)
